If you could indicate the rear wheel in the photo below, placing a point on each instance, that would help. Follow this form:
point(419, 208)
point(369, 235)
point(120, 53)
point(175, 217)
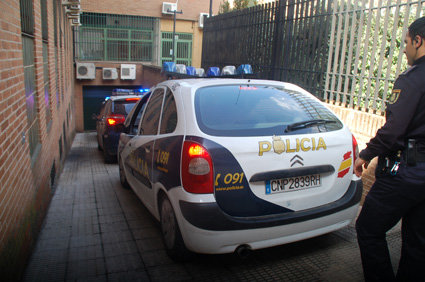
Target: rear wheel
point(123, 178)
point(171, 233)
point(108, 158)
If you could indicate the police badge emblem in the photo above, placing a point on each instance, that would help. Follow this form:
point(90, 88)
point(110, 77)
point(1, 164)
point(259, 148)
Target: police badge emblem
point(394, 96)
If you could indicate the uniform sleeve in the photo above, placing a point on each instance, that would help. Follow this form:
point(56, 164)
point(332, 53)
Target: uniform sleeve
point(390, 137)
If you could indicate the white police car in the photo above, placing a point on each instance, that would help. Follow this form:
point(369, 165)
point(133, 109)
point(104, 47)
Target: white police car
point(237, 164)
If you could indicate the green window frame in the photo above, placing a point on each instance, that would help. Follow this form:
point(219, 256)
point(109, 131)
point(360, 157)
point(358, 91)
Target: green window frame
point(107, 37)
point(183, 53)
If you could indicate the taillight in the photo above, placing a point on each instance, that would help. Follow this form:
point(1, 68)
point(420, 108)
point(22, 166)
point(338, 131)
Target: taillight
point(132, 99)
point(115, 119)
point(355, 149)
point(197, 169)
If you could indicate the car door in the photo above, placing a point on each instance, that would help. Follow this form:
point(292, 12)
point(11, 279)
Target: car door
point(168, 145)
point(139, 151)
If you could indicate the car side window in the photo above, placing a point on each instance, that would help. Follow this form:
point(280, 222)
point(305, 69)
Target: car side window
point(169, 114)
point(133, 119)
point(108, 107)
point(149, 124)
point(102, 109)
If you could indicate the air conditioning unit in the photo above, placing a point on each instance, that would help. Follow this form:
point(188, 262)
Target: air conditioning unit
point(202, 18)
point(168, 8)
point(86, 71)
point(73, 15)
point(109, 73)
point(70, 2)
point(75, 22)
point(72, 9)
point(128, 71)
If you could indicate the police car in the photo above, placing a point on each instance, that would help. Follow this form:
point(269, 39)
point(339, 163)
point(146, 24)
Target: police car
point(113, 111)
point(231, 165)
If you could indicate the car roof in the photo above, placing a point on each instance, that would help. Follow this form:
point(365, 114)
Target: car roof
point(203, 82)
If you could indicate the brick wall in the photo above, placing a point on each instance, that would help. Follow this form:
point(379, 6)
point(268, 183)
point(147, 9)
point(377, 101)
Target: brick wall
point(363, 126)
point(150, 8)
point(25, 181)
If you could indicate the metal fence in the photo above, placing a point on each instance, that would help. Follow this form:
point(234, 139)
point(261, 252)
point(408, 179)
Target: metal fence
point(366, 50)
point(343, 51)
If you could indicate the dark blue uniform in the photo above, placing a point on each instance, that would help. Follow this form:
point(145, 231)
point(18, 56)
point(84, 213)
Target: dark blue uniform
point(401, 194)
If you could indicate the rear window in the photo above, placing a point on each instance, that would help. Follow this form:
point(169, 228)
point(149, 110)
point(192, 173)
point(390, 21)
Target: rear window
point(122, 107)
point(258, 110)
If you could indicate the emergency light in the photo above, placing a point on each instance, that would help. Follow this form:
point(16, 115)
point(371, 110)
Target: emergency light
point(173, 70)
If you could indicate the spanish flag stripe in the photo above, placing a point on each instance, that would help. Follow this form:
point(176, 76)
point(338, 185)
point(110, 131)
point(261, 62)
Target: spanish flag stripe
point(345, 164)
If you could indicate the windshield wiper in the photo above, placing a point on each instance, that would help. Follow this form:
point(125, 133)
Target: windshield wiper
point(307, 123)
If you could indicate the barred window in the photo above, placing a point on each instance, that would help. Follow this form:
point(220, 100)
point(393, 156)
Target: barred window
point(45, 37)
point(27, 26)
point(55, 33)
point(108, 37)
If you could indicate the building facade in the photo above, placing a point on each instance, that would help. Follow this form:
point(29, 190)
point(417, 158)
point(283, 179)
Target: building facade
point(37, 119)
point(116, 36)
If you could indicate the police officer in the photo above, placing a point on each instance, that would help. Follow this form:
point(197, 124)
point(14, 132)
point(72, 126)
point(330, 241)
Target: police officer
point(399, 188)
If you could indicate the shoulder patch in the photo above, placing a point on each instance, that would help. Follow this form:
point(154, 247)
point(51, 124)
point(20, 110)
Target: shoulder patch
point(394, 96)
point(409, 70)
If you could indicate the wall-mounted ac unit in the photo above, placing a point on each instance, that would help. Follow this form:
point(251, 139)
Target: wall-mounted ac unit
point(109, 73)
point(202, 18)
point(86, 71)
point(70, 2)
point(75, 22)
point(72, 9)
point(73, 15)
point(168, 8)
point(128, 71)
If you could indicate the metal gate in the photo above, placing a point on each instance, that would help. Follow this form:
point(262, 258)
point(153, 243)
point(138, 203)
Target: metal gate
point(183, 48)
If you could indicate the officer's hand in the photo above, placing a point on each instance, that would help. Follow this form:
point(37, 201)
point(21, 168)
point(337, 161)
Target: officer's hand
point(358, 166)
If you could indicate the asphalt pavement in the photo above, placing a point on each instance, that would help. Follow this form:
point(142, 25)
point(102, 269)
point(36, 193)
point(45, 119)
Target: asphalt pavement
point(97, 231)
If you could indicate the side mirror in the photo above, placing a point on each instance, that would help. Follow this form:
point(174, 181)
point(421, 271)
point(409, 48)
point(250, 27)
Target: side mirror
point(94, 117)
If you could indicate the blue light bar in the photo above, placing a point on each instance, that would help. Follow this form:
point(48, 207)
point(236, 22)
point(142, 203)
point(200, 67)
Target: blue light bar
point(144, 90)
point(244, 69)
point(169, 66)
point(213, 71)
point(190, 71)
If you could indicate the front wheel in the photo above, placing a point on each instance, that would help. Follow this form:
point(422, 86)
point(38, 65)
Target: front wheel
point(171, 234)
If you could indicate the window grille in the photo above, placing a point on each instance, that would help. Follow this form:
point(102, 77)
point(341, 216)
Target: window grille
point(45, 37)
point(27, 25)
point(108, 37)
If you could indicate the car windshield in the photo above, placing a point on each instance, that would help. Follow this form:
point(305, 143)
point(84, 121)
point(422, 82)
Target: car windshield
point(123, 107)
point(260, 110)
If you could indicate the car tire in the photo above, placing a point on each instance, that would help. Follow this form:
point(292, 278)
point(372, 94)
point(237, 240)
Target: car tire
point(108, 158)
point(123, 178)
point(171, 234)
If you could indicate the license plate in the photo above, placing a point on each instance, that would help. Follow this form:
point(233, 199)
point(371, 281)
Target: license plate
point(293, 183)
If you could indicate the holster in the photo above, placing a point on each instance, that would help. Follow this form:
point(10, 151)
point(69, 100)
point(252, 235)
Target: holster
point(410, 153)
point(385, 164)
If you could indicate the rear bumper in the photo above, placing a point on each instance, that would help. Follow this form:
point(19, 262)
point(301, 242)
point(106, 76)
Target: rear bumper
point(208, 216)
